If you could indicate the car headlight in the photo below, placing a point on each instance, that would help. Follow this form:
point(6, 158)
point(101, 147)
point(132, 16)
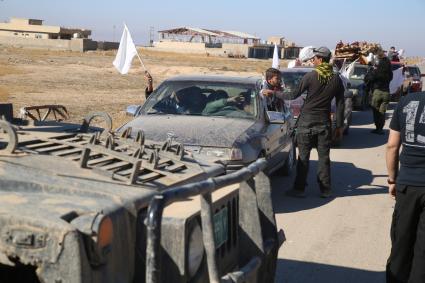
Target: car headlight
point(195, 251)
point(236, 154)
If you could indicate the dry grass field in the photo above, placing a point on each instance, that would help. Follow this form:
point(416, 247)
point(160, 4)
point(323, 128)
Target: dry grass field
point(87, 82)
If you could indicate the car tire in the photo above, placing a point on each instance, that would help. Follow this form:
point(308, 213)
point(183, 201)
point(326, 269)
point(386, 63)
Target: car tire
point(289, 165)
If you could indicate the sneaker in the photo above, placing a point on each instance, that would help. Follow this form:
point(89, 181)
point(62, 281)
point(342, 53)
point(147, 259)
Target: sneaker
point(295, 193)
point(326, 194)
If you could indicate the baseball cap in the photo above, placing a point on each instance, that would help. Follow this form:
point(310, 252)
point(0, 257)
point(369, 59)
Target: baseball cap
point(322, 52)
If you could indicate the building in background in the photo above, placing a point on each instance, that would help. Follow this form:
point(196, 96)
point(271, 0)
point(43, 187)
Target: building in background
point(222, 43)
point(32, 28)
point(206, 41)
point(31, 33)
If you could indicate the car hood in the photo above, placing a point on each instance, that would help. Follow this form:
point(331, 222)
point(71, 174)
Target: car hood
point(191, 130)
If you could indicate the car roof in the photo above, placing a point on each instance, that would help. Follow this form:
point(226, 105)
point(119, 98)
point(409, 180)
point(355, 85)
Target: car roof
point(360, 65)
point(297, 69)
point(218, 78)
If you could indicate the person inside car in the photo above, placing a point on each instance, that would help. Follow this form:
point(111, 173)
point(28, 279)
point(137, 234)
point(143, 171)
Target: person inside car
point(235, 105)
point(189, 100)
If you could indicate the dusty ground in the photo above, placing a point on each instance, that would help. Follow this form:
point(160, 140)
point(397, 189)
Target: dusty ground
point(86, 82)
point(345, 238)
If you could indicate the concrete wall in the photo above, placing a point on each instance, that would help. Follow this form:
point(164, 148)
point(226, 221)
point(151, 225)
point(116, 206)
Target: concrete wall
point(230, 50)
point(23, 34)
point(227, 49)
point(107, 45)
point(181, 47)
point(77, 44)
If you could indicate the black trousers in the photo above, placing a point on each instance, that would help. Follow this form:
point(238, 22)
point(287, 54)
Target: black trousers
point(378, 118)
point(307, 139)
point(407, 259)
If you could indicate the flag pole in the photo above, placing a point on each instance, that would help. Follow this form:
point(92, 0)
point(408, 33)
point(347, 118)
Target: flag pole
point(141, 62)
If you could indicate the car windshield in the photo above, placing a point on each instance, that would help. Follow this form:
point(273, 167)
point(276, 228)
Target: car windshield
point(203, 98)
point(358, 73)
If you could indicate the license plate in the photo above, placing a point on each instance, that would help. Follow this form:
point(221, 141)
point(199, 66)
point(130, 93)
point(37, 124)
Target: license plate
point(220, 227)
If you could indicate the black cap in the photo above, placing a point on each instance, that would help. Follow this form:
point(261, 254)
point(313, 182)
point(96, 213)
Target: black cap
point(323, 52)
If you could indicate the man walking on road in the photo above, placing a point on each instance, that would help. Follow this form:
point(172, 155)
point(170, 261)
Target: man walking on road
point(313, 125)
point(407, 259)
point(379, 79)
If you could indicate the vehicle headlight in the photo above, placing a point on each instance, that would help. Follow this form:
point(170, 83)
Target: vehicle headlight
point(195, 251)
point(236, 154)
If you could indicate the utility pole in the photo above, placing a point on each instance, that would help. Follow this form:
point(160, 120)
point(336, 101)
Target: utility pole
point(113, 33)
point(151, 35)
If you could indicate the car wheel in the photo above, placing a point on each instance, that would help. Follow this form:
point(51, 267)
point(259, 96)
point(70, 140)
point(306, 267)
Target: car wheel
point(289, 165)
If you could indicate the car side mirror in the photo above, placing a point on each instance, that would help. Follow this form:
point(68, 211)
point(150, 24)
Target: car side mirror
point(133, 110)
point(274, 117)
point(348, 94)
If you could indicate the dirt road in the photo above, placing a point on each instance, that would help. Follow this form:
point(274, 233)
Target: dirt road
point(344, 239)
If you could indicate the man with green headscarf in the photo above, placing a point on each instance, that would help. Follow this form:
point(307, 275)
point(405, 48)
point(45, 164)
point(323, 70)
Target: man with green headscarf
point(314, 124)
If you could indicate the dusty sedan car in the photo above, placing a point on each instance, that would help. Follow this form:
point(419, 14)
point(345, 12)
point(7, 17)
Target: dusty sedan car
point(291, 78)
point(218, 119)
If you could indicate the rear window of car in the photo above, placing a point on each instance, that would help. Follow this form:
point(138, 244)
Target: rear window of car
point(358, 73)
point(291, 80)
point(413, 71)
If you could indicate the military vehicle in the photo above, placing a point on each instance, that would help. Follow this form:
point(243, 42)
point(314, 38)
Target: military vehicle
point(80, 203)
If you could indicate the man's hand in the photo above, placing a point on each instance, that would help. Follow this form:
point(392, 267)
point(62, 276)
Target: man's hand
point(148, 81)
point(268, 92)
point(338, 133)
point(236, 99)
point(392, 190)
point(148, 76)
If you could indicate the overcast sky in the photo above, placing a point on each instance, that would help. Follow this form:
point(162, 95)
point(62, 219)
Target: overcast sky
point(324, 22)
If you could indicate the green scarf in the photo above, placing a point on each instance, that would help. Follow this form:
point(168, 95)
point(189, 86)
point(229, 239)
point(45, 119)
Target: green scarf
point(325, 72)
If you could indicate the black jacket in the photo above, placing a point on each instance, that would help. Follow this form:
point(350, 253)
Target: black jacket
point(381, 76)
point(317, 106)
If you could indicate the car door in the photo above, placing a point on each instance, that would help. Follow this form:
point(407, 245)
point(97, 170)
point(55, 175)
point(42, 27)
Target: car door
point(278, 138)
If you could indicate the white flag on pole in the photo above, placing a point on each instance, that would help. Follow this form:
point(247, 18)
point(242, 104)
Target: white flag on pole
point(126, 52)
point(275, 63)
point(397, 80)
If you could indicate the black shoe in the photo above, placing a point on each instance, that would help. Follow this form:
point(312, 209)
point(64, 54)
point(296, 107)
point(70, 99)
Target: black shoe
point(295, 193)
point(380, 132)
point(326, 194)
point(374, 131)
